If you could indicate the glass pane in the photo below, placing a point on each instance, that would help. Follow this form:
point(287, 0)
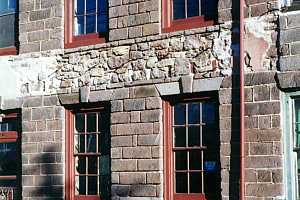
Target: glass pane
point(179, 114)
point(104, 165)
point(79, 143)
point(8, 158)
point(79, 122)
point(8, 124)
point(194, 113)
point(80, 185)
point(208, 9)
point(181, 160)
point(78, 25)
point(195, 160)
point(181, 183)
point(180, 137)
point(102, 6)
point(178, 9)
point(209, 113)
point(92, 167)
point(91, 122)
point(90, 6)
point(102, 25)
point(209, 136)
point(80, 165)
point(194, 136)
point(12, 4)
point(92, 185)
point(8, 183)
point(195, 182)
point(7, 34)
point(211, 185)
point(79, 7)
point(193, 8)
point(91, 143)
point(3, 5)
point(297, 123)
point(90, 23)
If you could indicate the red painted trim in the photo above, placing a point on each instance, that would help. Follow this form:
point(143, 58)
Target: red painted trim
point(87, 197)
point(72, 41)
point(8, 51)
point(189, 197)
point(8, 177)
point(169, 25)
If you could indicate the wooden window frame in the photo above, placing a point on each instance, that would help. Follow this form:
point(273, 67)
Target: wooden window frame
point(72, 41)
point(169, 167)
point(70, 161)
point(170, 25)
point(7, 137)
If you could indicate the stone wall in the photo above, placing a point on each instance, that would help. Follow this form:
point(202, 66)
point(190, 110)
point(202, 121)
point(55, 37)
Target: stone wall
point(42, 148)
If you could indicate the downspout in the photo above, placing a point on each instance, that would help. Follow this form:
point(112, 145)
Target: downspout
point(242, 105)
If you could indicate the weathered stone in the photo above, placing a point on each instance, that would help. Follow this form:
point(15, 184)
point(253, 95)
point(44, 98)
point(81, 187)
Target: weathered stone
point(134, 104)
point(168, 88)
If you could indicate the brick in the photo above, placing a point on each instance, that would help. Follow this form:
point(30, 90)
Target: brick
point(275, 121)
point(28, 126)
point(115, 178)
point(135, 116)
point(135, 31)
point(117, 106)
point(134, 104)
point(33, 102)
point(120, 190)
point(38, 35)
point(136, 152)
point(256, 135)
point(121, 141)
point(52, 169)
point(149, 165)
point(133, 178)
point(151, 29)
point(29, 148)
point(39, 15)
point(263, 176)
point(251, 122)
point(264, 108)
point(122, 93)
point(134, 129)
point(123, 165)
point(144, 91)
point(277, 176)
point(153, 103)
point(261, 148)
point(264, 190)
point(118, 34)
point(27, 181)
point(42, 113)
point(261, 93)
point(250, 175)
point(53, 125)
point(154, 178)
point(50, 100)
point(144, 191)
point(31, 170)
point(151, 115)
point(120, 118)
point(52, 44)
point(259, 78)
point(264, 122)
point(263, 161)
point(149, 140)
point(116, 153)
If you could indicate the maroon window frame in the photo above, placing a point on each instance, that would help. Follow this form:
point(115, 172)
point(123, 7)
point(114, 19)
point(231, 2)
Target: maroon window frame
point(170, 25)
point(72, 41)
point(208, 182)
point(10, 135)
point(84, 161)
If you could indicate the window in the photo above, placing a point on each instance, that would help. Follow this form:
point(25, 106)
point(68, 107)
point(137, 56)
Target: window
point(9, 157)
point(86, 22)
point(88, 155)
point(192, 163)
point(186, 14)
point(8, 20)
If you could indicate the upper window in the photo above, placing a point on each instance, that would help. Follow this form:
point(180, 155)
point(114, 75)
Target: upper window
point(86, 22)
point(88, 150)
point(186, 14)
point(8, 20)
point(9, 157)
point(192, 151)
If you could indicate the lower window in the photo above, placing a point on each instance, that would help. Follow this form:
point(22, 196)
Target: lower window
point(88, 150)
point(192, 167)
point(9, 157)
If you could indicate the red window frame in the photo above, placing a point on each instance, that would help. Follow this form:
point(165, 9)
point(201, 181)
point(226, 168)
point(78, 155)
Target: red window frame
point(70, 155)
point(6, 137)
point(170, 25)
point(169, 165)
point(72, 41)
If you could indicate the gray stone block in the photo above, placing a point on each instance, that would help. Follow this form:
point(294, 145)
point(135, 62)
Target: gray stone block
point(210, 84)
point(187, 83)
point(295, 48)
point(288, 79)
point(289, 63)
point(66, 99)
point(168, 88)
point(134, 104)
point(84, 93)
point(290, 35)
point(103, 95)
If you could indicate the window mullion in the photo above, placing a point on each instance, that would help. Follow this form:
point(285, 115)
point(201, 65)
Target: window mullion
point(84, 26)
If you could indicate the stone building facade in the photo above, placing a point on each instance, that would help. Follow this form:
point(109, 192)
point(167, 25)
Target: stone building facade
point(133, 81)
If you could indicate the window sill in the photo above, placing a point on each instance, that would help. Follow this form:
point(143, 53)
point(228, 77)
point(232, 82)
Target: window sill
point(8, 51)
point(190, 23)
point(85, 40)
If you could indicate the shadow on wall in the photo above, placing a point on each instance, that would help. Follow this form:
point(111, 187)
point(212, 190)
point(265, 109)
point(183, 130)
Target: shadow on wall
point(234, 171)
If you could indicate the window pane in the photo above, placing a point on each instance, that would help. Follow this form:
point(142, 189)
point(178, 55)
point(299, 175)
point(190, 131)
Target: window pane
point(181, 183)
point(90, 6)
point(195, 160)
point(195, 182)
point(209, 113)
point(102, 25)
point(92, 185)
point(80, 185)
point(8, 158)
point(193, 8)
point(92, 167)
point(91, 122)
point(208, 136)
point(8, 183)
point(12, 4)
point(7, 34)
point(90, 23)
point(104, 165)
point(180, 137)
point(211, 185)
point(179, 114)
point(3, 5)
point(79, 25)
point(181, 160)
point(91, 143)
point(194, 136)
point(178, 9)
point(208, 9)
point(79, 143)
point(79, 7)
point(80, 165)
point(79, 122)
point(194, 113)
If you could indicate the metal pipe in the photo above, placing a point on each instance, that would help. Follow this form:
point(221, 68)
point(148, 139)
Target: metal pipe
point(242, 105)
